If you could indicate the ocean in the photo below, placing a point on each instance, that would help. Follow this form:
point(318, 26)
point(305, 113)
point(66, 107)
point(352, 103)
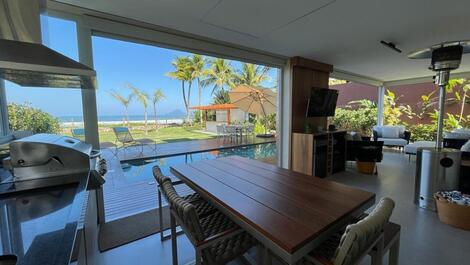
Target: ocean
point(105, 118)
point(67, 121)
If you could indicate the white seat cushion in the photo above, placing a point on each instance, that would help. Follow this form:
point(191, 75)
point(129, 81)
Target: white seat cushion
point(379, 129)
point(466, 147)
point(390, 132)
point(457, 135)
point(413, 147)
point(393, 141)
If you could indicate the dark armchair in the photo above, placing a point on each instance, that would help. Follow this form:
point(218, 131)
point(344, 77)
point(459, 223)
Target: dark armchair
point(356, 149)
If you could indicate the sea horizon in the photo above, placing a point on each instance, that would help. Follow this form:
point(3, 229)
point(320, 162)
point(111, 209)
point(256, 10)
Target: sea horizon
point(118, 118)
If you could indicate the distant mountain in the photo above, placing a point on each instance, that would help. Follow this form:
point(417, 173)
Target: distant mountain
point(175, 113)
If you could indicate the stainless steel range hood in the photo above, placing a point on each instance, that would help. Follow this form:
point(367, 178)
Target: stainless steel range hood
point(24, 60)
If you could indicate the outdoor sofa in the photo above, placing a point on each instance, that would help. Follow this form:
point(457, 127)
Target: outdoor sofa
point(392, 135)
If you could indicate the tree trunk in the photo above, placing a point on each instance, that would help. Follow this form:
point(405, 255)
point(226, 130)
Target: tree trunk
point(200, 98)
point(145, 118)
point(155, 115)
point(189, 101)
point(126, 116)
point(185, 101)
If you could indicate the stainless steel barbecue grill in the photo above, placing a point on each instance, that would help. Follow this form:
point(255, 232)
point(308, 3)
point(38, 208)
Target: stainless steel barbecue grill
point(44, 156)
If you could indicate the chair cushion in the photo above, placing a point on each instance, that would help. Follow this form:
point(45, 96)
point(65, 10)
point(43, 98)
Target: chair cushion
point(390, 132)
point(462, 130)
point(413, 147)
point(457, 135)
point(393, 142)
point(466, 147)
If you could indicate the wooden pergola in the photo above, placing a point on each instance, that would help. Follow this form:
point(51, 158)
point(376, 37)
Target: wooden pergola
point(226, 107)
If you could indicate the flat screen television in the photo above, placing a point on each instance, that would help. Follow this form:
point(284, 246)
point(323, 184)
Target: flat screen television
point(322, 102)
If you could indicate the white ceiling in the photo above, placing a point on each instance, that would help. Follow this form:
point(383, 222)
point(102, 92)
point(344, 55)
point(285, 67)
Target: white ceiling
point(344, 33)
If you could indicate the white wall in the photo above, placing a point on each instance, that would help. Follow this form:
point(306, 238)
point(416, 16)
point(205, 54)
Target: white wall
point(236, 115)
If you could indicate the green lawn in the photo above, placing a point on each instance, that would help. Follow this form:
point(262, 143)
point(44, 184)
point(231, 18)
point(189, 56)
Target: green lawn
point(162, 135)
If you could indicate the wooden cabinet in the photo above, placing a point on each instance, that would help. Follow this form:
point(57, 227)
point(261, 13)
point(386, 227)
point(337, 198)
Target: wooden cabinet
point(311, 154)
point(318, 154)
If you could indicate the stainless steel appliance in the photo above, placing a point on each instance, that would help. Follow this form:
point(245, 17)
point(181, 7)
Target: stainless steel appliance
point(23, 58)
point(47, 156)
point(439, 168)
point(436, 169)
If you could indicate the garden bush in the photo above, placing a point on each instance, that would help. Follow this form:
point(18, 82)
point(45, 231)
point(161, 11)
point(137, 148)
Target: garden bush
point(358, 116)
point(25, 117)
point(423, 132)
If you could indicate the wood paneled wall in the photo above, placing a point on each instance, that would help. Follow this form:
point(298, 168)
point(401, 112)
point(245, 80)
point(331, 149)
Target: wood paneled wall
point(305, 75)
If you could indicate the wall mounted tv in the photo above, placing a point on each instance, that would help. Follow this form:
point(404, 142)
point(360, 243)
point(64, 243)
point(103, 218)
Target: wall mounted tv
point(322, 102)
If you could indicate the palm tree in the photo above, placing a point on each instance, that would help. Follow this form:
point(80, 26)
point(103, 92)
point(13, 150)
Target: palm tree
point(221, 97)
point(198, 65)
point(220, 75)
point(184, 73)
point(125, 101)
point(143, 98)
point(251, 75)
point(157, 97)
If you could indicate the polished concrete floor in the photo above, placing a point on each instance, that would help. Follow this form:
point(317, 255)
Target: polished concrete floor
point(424, 240)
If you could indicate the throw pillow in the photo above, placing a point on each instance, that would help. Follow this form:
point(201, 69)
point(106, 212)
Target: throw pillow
point(466, 147)
point(390, 132)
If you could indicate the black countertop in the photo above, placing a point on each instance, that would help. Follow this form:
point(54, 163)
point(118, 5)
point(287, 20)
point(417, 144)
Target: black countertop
point(39, 226)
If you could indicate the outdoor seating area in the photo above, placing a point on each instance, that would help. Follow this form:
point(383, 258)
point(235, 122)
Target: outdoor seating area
point(234, 132)
point(394, 136)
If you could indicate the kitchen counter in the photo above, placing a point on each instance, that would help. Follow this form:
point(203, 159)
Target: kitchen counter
point(39, 226)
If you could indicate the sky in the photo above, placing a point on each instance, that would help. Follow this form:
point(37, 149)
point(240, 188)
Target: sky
point(117, 63)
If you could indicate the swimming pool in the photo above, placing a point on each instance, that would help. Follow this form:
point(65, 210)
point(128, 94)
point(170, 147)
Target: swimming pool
point(141, 170)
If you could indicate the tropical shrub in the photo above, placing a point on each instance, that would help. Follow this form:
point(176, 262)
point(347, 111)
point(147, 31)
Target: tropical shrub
point(197, 116)
point(25, 117)
point(265, 124)
point(359, 116)
point(393, 111)
point(423, 132)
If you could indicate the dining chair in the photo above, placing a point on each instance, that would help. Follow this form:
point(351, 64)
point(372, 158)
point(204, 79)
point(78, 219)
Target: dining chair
point(366, 237)
point(203, 208)
point(216, 239)
point(221, 130)
point(249, 129)
point(231, 131)
point(391, 243)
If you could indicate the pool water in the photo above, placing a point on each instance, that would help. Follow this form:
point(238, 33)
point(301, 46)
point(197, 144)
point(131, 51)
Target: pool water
point(141, 170)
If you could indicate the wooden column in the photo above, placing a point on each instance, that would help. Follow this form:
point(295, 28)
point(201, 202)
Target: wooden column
point(306, 76)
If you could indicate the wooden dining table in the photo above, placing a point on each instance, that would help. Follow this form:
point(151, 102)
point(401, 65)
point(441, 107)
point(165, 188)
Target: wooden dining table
point(289, 213)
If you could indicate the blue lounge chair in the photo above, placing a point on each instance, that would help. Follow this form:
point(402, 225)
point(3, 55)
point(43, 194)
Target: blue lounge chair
point(124, 137)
